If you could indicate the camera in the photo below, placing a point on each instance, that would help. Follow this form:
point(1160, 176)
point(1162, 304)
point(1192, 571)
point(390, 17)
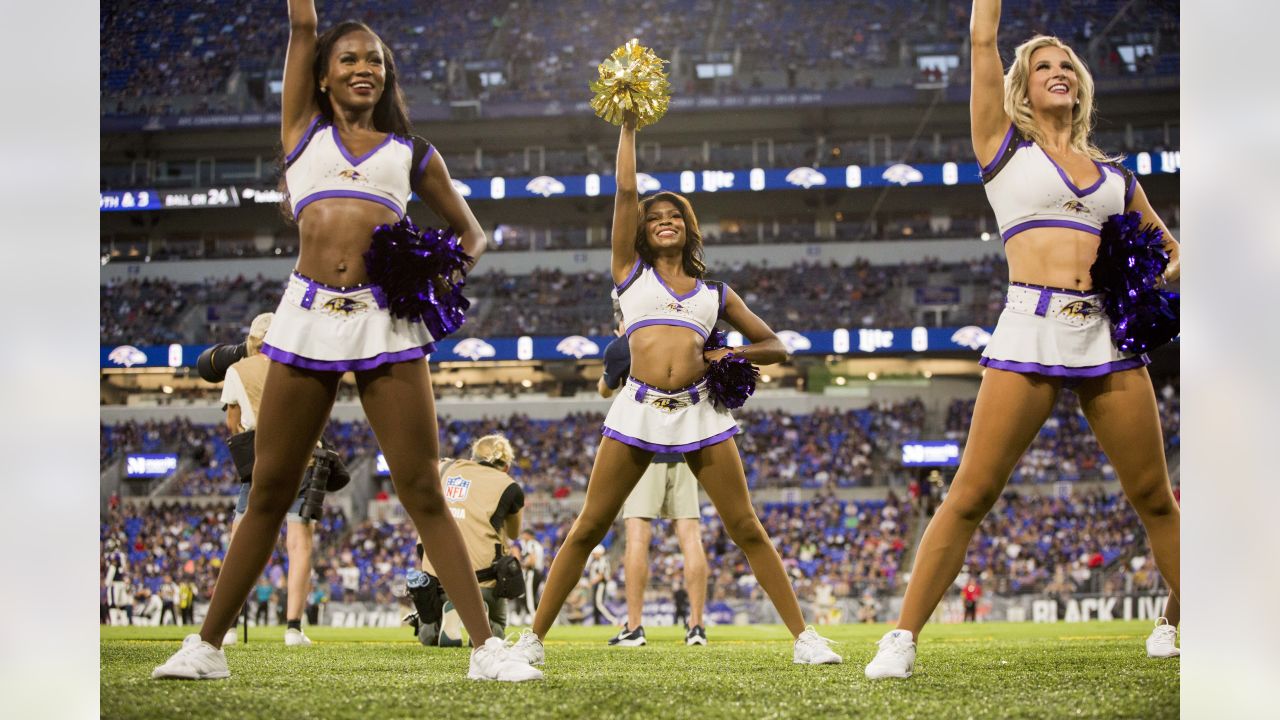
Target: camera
point(316, 483)
point(213, 363)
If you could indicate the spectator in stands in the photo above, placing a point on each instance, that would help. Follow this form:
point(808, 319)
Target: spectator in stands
point(341, 91)
point(1031, 129)
point(665, 407)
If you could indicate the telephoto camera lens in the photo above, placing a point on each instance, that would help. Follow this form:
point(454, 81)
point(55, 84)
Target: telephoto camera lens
point(316, 480)
point(213, 362)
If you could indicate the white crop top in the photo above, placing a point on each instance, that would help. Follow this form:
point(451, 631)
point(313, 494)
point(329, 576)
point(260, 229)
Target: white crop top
point(646, 300)
point(1027, 189)
point(321, 167)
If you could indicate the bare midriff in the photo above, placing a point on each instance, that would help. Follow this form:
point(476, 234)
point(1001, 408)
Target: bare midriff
point(668, 357)
point(1053, 257)
point(335, 233)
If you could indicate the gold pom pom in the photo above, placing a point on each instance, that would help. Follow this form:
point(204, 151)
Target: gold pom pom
point(631, 79)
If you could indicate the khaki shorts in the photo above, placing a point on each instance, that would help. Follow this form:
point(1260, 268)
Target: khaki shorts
point(666, 490)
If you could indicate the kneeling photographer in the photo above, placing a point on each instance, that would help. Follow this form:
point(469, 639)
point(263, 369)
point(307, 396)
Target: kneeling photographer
point(488, 506)
point(243, 371)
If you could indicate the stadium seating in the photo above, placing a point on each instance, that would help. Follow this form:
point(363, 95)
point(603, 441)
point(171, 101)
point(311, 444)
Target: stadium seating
point(1081, 544)
point(551, 302)
point(193, 57)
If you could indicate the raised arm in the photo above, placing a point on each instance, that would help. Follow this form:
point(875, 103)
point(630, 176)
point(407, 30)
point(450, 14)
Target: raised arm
point(298, 99)
point(765, 347)
point(626, 204)
point(436, 188)
point(987, 120)
point(1140, 203)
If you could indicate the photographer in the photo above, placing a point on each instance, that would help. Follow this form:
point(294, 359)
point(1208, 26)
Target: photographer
point(487, 505)
point(242, 395)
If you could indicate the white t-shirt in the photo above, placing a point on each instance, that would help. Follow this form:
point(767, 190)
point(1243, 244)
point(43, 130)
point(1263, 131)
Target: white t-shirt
point(233, 393)
point(350, 575)
point(532, 549)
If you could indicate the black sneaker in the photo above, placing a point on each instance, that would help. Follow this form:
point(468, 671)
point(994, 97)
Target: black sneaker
point(697, 635)
point(628, 638)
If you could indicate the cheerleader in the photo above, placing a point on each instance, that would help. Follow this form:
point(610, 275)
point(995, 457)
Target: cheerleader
point(1051, 191)
point(669, 311)
point(351, 164)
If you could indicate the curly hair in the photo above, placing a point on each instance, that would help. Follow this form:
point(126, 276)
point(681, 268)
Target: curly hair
point(693, 263)
point(1018, 109)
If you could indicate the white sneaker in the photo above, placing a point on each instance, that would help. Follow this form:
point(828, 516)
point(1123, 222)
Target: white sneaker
point(295, 637)
point(230, 638)
point(1163, 640)
point(813, 649)
point(197, 660)
point(494, 661)
point(896, 657)
point(528, 648)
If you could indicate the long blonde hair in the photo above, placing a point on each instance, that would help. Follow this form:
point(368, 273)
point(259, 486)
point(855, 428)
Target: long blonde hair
point(1018, 109)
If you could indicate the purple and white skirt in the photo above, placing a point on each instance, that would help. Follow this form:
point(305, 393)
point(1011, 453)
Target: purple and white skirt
point(320, 327)
point(682, 420)
point(1057, 333)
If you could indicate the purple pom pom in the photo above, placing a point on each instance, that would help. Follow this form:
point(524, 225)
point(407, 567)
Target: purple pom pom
point(415, 268)
point(731, 380)
point(716, 340)
point(1131, 259)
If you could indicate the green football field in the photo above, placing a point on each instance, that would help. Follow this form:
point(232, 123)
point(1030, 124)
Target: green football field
point(993, 670)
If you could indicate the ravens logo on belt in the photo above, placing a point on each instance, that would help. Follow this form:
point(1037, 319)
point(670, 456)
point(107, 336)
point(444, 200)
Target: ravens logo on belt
point(343, 306)
point(1080, 309)
point(668, 404)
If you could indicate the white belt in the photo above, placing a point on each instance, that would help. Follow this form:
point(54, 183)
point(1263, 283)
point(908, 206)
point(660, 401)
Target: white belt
point(339, 302)
point(1066, 306)
point(668, 400)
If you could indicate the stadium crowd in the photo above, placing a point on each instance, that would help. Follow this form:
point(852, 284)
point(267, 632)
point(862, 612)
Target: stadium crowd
point(1086, 543)
point(1066, 450)
point(833, 549)
point(825, 449)
point(807, 296)
point(207, 51)
point(153, 549)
